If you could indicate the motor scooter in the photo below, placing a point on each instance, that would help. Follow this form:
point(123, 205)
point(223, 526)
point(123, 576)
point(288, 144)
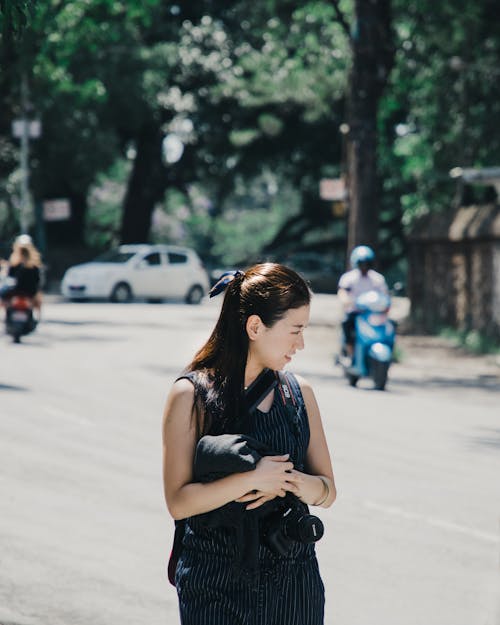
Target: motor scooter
point(19, 317)
point(373, 343)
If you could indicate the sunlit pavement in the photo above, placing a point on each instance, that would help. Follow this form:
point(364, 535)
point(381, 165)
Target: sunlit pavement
point(414, 537)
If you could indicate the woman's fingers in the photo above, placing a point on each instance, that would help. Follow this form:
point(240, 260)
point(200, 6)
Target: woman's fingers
point(283, 460)
point(251, 496)
point(259, 502)
point(295, 476)
point(257, 498)
point(259, 494)
point(278, 480)
point(272, 473)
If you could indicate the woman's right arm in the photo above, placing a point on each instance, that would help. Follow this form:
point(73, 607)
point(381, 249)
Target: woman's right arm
point(186, 498)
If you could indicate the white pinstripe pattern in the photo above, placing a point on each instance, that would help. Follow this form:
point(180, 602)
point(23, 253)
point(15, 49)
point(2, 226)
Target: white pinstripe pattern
point(289, 589)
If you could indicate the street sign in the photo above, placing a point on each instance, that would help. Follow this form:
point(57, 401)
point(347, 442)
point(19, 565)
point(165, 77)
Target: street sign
point(332, 189)
point(56, 210)
point(33, 126)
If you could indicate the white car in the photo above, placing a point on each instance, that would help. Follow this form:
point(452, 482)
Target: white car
point(152, 272)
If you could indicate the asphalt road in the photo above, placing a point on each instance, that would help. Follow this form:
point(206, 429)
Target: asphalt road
point(413, 539)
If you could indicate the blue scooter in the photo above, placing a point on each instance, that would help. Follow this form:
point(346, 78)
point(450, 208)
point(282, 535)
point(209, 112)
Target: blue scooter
point(374, 341)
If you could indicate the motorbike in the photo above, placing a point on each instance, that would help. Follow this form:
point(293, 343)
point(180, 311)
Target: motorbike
point(374, 341)
point(19, 317)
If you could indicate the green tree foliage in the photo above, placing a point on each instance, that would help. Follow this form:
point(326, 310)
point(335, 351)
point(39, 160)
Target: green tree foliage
point(261, 90)
point(83, 62)
point(440, 111)
point(15, 16)
point(15, 23)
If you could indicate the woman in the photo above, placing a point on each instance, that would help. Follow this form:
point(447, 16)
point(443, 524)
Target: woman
point(23, 270)
point(260, 327)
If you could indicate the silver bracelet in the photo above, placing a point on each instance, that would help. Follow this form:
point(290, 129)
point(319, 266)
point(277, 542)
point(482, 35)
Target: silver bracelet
point(326, 490)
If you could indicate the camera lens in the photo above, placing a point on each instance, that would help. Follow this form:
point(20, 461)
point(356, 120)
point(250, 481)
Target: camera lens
point(306, 529)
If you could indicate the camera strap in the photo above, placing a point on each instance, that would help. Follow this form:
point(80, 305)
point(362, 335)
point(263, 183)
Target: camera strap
point(260, 388)
point(289, 401)
point(285, 389)
point(264, 384)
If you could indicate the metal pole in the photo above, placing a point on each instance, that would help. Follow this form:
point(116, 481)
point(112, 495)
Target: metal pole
point(24, 208)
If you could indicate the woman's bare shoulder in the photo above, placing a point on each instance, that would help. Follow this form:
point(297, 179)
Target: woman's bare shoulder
point(182, 390)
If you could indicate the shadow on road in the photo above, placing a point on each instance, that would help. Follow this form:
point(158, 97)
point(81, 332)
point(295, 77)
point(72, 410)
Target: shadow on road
point(13, 387)
point(397, 383)
point(489, 383)
point(489, 437)
point(129, 323)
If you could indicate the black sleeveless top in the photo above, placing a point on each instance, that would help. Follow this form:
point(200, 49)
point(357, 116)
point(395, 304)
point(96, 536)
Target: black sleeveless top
point(273, 428)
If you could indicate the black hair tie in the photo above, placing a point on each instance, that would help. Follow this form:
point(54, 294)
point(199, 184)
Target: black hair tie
point(223, 281)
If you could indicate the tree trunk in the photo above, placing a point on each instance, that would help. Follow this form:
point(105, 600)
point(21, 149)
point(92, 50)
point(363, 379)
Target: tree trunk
point(372, 60)
point(146, 186)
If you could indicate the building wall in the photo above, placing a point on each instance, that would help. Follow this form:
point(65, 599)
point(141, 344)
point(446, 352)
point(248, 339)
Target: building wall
point(455, 284)
point(481, 283)
point(496, 284)
point(458, 299)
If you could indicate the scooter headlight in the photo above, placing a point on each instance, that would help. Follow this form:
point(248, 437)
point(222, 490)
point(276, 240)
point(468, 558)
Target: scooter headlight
point(381, 352)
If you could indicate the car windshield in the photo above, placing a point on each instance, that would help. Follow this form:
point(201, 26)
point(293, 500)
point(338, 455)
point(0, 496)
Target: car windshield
point(114, 256)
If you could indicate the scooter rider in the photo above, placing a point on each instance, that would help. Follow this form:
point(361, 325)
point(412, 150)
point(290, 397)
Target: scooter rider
point(23, 269)
point(360, 279)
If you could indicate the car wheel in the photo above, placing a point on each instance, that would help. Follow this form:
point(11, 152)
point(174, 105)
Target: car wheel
point(195, 294)
point(121, 293)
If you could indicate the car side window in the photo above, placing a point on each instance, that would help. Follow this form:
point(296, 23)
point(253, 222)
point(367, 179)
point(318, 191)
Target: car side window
point(152, 259)
point(174, 258)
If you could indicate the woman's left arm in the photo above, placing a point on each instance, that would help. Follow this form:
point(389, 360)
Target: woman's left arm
point(317, 486)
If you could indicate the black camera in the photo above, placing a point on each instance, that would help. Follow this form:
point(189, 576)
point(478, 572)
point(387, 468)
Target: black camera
point(292, 523)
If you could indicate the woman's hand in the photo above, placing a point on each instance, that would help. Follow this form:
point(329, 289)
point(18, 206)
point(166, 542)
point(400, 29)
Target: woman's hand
point(271, 479)
point(308, 488)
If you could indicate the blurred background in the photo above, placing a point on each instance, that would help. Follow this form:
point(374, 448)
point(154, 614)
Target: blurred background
point(292, 131)
point(224, 133)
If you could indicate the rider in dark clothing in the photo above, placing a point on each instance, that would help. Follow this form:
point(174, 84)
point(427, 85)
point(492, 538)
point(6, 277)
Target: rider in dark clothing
point(24, 276)
point(27, 280)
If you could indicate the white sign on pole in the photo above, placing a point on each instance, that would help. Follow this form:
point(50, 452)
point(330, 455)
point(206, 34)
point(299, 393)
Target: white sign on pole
point(56, 210)
point(332, 189)
point(34, 128)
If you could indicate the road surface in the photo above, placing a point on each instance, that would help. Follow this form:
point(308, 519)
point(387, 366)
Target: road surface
point(413, 539)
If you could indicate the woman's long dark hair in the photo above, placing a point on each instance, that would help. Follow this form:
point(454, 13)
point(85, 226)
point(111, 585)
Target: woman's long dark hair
point(268, 290)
